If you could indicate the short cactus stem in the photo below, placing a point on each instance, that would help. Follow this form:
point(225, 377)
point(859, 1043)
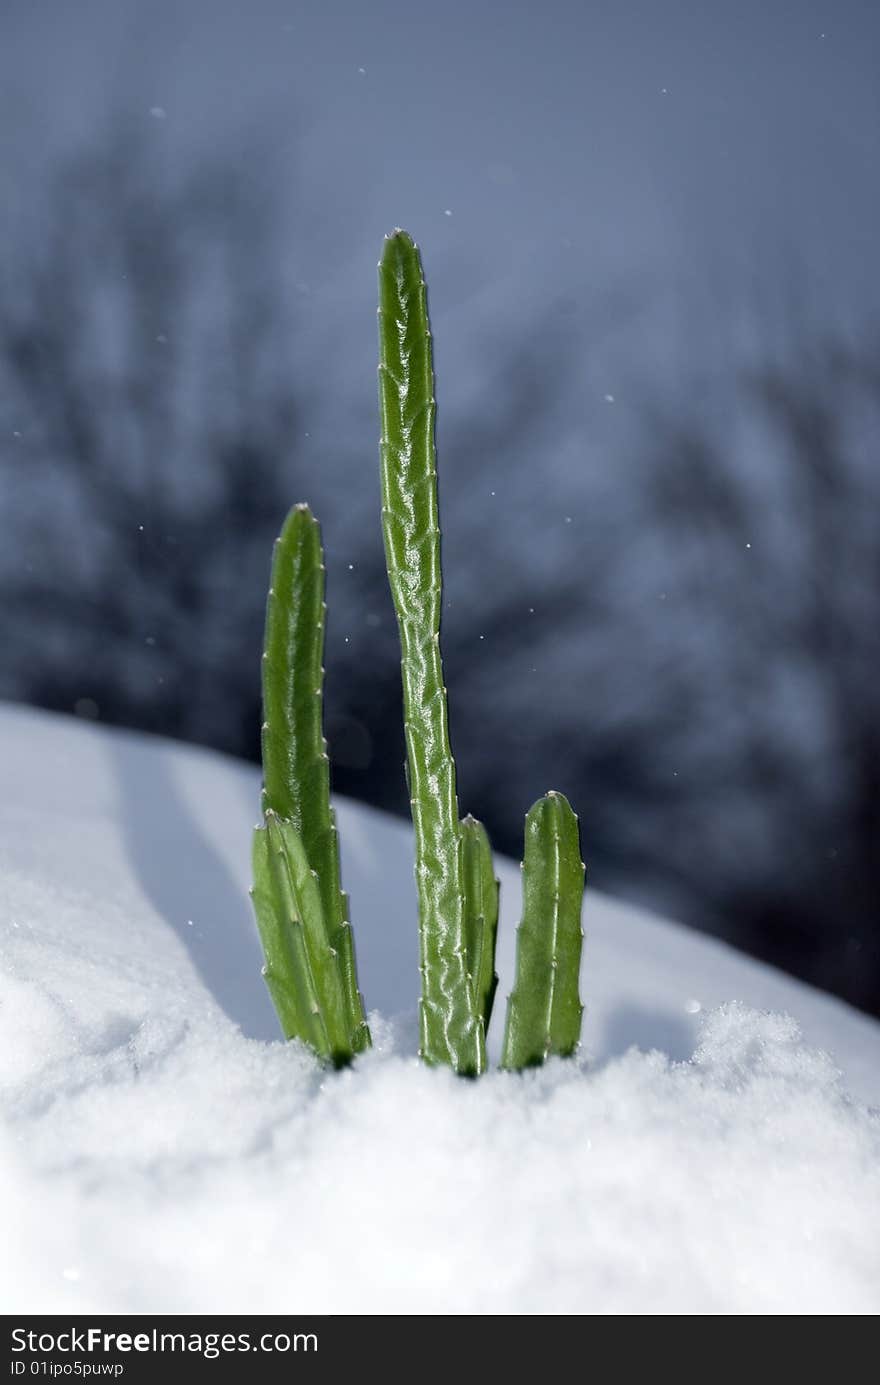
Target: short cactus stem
point(544, 1011)
point(481, 891)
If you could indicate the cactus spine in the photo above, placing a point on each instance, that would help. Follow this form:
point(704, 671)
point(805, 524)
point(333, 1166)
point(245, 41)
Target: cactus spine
point(544, 1009)
point(451, 1031)
point(301, 911)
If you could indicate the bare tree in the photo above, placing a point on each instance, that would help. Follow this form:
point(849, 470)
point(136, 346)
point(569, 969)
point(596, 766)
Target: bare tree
point(149, 411)
point(712, 700)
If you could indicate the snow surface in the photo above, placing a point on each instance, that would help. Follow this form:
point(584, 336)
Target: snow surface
point(161, 1150)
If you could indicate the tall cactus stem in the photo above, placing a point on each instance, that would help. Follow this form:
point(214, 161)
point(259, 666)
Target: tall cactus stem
point(451, 1031)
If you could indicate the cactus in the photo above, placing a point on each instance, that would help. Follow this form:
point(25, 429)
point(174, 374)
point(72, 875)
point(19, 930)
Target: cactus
point(451, 1030)
point(544, 1009)
point(480, 915)
point(302, 914)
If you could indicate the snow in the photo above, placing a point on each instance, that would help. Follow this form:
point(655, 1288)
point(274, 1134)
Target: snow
point(162, 1150)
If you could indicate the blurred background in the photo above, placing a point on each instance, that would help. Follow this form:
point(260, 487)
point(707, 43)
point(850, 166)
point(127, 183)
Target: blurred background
point(650, 232)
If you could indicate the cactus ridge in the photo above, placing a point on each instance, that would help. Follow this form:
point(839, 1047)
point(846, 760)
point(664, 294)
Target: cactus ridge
point(544, 1010)
point(451, 1030)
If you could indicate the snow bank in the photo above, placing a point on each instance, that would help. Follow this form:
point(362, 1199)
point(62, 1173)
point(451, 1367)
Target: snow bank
point(160, 1151)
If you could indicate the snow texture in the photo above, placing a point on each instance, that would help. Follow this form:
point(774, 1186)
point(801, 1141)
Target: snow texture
point(161, 1150)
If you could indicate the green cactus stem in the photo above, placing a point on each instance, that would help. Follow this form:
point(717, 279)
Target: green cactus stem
point(302, 912)
point(287, 971)
point(451, 1031)
point(481, 891)
point(302, 969)
point(544, 1010)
